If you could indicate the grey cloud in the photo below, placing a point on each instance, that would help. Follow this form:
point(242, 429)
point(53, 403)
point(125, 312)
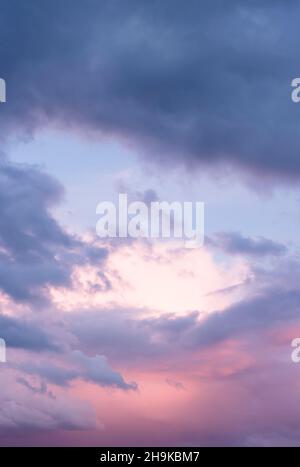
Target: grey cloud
point(204, 83)
point(235, 243)
point(34, 250)
point(20, 411)
point(268, 310)
point(41, 389)
point(122, 334)
point(52, 373)
point(22, 334)
point(77, 365)
point(175, 384)
point(117, 333)
point(97, 370)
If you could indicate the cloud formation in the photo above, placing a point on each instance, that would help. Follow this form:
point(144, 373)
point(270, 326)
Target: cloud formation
point(205, 85)
point(235, 243)
point(35, 252)
point(76, 365)
point(19, 410)
point(25, 334)
point(165, 345)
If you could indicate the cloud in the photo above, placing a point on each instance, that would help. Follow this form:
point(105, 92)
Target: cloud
point(207, 84)
point(76, 365)
point(19, 410)
point(237, 244)
point(25, 334)
point(97, 370)
point(175, 384)
point(35, 252)
point(125, 334)
point(229, 357)
point(144, 275)
point(255, 314)
point(269, 299)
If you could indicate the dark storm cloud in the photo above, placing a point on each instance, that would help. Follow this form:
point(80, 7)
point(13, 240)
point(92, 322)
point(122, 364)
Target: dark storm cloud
point(235, 243)
point(34, 250)
point(203, 82)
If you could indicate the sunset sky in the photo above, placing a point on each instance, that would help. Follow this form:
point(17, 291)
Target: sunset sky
point(140, 342)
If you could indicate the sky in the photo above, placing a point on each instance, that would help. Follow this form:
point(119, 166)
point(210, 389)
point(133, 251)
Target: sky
point(142, 342)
